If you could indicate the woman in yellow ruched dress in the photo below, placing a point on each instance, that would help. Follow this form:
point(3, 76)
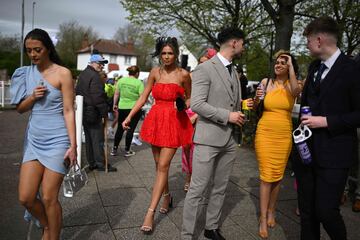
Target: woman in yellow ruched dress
point(273, 140)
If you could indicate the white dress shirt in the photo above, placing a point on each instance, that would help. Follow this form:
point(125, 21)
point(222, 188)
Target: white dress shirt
point(223, 60)
point(329, 63)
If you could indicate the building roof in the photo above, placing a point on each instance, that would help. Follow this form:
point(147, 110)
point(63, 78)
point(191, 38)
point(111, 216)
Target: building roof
point(110, 47)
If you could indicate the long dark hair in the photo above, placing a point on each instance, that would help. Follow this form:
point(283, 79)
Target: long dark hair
point(172, 42)
point(43, 36)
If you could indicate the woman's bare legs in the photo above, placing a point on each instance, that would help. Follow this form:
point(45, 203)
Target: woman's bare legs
point(275, 188)
point(162, 171)
point(265, 189)
point(50, 186)
point(156, 154)
point(31, 174)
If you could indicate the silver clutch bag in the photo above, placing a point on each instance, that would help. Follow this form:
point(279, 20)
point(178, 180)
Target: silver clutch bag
point(74, 180)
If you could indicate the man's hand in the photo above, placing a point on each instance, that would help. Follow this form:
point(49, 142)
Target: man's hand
point(250, 103)
point(314, 121)
point(237, 118)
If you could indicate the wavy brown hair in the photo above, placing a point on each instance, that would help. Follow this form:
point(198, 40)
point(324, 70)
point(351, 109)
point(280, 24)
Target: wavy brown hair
point(172, 42)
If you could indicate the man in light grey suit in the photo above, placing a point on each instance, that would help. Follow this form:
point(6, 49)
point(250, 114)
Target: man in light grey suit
point(216, 98)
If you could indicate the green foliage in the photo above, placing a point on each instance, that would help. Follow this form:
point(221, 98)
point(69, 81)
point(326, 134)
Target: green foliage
point(144, 43)
point(345, 12)
point(10, 53)
point(144, 48)
point(70, 36)
point(9, 61)
point(303, 61)
point(257, 62)
point(198, 20)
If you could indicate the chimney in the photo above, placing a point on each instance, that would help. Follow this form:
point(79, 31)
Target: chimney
point(130, 45)
point(85, 41)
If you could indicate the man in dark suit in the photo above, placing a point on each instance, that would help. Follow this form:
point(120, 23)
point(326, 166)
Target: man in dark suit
point(332, 91)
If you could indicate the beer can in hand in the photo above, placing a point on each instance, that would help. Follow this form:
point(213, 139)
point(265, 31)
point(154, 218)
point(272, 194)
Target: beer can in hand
point(305, 111)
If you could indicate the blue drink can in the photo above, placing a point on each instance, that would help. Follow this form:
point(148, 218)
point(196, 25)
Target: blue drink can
point(305, 111)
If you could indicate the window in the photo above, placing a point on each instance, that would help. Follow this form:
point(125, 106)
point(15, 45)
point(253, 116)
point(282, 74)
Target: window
point(127, 60)
point(112, 59)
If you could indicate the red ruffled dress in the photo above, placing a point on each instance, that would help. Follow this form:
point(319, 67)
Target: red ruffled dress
point(165, 126)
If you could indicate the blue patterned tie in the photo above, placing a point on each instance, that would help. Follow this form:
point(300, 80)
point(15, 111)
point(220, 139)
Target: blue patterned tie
point(320, 71)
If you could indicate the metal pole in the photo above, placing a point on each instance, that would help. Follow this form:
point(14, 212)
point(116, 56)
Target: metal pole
point(2, 94)
point(78, 120)
point(22, 34)
point(33, 15)
point(271, 53)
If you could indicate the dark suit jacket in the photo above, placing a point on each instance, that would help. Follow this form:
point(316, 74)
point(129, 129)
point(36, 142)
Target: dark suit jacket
point(339, 101)
point(92, 88)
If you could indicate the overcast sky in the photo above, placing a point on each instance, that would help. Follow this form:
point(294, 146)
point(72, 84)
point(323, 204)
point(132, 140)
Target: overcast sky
point(105, 16)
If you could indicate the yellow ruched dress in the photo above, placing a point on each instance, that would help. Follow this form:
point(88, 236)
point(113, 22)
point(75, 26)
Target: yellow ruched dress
point(273, 139)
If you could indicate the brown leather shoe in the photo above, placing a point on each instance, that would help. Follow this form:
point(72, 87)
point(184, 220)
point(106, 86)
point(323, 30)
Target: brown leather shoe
point(356, 205)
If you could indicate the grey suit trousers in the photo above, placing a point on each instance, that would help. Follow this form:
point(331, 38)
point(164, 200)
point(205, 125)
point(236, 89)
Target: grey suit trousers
point(210, 164)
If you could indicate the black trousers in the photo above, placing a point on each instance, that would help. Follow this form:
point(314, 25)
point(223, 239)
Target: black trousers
point(319, 195)
point(123, 113)
point(94, 143)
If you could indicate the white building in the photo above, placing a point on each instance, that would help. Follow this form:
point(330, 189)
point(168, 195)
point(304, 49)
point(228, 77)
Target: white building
point(120, 56)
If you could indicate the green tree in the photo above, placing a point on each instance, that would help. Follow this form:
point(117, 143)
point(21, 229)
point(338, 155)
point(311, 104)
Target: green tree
point(70, 37)
point(144, 43)
point(282, 14)
point(257, 63)
point(10, 53)
point(201, 18)
point(199, 21)
point(345, 12)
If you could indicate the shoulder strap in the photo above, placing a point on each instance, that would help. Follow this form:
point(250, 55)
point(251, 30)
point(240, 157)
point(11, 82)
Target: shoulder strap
point(267, 83)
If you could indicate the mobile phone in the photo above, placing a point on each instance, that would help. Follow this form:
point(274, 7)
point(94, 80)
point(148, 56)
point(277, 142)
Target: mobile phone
point(41, 82)
point(66, 163)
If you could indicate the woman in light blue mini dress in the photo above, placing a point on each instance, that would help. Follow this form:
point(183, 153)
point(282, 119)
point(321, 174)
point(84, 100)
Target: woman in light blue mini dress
point(47, 90)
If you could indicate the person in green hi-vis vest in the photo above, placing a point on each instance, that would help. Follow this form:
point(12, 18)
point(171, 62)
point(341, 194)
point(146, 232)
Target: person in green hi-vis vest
point(129, 90)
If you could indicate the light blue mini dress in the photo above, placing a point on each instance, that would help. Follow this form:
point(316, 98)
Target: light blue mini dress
point(46, 137)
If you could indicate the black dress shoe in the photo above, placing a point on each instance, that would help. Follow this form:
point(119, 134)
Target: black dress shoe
point(93, 167)
point(110, 168)
point(213, 234)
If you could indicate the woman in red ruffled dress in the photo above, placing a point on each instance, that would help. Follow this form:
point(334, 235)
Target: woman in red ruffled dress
point(166, 127)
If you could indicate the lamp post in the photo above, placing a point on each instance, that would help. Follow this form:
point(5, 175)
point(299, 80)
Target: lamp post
point(33, 15)
point(22, 34)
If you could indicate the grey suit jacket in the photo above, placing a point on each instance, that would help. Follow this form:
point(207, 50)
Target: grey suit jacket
point(214, 95)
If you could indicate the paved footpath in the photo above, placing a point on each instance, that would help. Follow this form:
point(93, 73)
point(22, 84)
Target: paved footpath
point(112, 205)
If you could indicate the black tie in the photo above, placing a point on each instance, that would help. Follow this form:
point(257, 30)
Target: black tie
point(229, 68)
point(320, 71)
